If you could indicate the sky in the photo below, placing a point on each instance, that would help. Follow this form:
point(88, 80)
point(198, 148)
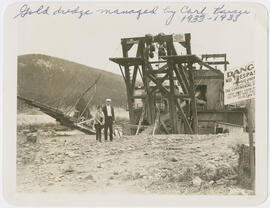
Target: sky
point(92, 40)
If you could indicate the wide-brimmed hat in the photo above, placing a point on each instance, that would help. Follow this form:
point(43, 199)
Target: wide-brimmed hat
point(108, 100)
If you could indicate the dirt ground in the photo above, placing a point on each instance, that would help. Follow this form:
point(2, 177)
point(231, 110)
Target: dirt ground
point(62, 161)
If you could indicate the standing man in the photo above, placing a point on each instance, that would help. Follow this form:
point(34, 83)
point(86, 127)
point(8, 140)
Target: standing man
point(109, 119)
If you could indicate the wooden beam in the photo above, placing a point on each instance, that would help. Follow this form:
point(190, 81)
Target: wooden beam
point(180, 74)
point(160, 71)
point(172, 107)
point(139, 96)
point(134, 77)
point(171, 97)
point(225, 66)
point(164, 67)
point(122, 73)
point(152, 76)
point(180, 80)
point(160, 81)
point(150, 110)
point(128, 86)
point(135, 71)
point(213, 55)
point(140, 72)
point(156, 62)
point(208, 77)
point(183, 74)
point(162, 88)
point(206, 65)
point(216, 62)
point(137, 39)
point(129, 46)
point(183, 96)
point(140, 121)
point(192, 88)
point(164, 127)
point(183, 116)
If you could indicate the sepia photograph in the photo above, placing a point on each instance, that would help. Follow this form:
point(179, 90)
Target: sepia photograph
point(139, 98)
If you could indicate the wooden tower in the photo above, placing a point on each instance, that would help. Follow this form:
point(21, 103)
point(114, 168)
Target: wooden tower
point(175, 68)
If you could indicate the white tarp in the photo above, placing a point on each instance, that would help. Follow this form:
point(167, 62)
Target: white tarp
point(239, 84)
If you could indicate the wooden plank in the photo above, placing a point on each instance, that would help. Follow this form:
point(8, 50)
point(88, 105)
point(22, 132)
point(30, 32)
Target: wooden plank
point(209, 67)
point(192, 89)
point(134, 77)
point(127, 61)
point(153, 78)
point(145, 96)
point(122, 73)
point(180, 80)
point(135, 71)
point(208, 77)
point(128, 85)
point(225, 59)
point(182, 72)
point(160, 71)
point(164, 67)
point(140, 121)
point(136, 39)
point(160, 81)
point(213, 55)
point(171, 97)
point(182, 58)
point(157, 62)
point(172, 107)
point(156, 121)
point(149, 101)
point(162, 88)
point(183, 116)
point(164, 127)
point(216, 62)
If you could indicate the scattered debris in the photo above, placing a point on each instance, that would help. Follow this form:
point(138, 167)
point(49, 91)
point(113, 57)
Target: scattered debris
point(89, 177)
point(168, 169)
point(31, 137)
point(197, 181)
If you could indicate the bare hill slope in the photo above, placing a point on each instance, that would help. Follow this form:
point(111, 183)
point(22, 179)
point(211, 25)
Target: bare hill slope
point(58, 82)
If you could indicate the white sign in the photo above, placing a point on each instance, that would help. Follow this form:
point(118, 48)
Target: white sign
point(239, 84)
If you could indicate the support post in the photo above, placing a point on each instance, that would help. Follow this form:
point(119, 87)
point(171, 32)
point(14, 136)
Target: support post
point(225, 60)
point(150, 104)
point(172, 100)
point(250, 118)
point(128, 84)
point(192, 88)
point(172, 106)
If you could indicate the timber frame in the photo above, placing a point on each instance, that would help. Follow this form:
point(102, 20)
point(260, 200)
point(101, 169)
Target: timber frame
point(176, 67)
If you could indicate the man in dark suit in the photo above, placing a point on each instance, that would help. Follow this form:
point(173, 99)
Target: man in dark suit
point(109, 119)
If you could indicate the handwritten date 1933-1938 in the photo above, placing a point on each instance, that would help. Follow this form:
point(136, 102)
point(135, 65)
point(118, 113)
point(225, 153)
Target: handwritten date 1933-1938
point(220, 13)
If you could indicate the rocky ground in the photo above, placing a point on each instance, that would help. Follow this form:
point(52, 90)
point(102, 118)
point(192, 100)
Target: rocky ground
point(54, 160)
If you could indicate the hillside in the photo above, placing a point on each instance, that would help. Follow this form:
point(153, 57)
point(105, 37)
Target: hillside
point(58, 82)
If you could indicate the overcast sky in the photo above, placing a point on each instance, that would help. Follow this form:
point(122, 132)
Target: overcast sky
point(92, 39)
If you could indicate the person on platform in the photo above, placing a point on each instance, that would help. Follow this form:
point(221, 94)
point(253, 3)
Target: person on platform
point(108, 111)
point(99, 122)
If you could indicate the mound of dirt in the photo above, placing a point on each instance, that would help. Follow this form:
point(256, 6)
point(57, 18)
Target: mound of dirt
point(162, 164)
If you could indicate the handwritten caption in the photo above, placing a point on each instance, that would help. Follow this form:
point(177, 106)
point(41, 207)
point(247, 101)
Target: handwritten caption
point(182, 14)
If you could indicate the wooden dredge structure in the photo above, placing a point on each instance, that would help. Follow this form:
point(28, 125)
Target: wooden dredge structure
point(166, 91)
point(174, 72)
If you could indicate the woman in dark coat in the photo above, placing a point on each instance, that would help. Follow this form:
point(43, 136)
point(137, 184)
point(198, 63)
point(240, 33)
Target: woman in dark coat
point(99, 122)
